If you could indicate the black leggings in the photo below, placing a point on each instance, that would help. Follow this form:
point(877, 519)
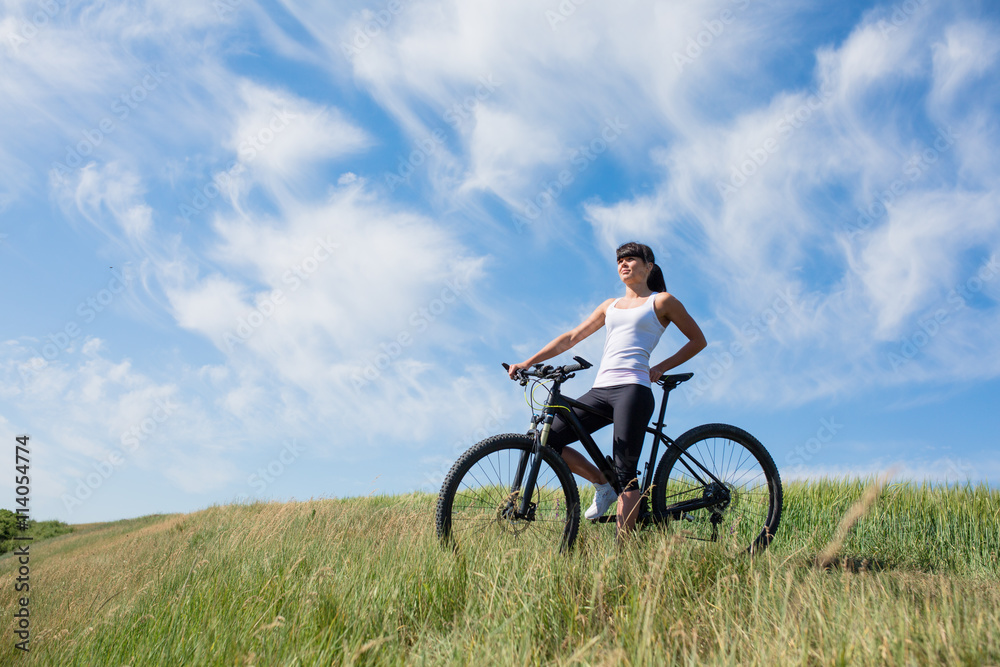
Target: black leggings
point(631, 407)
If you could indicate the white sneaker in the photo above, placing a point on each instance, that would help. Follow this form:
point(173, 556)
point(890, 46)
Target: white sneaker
point(604, 495)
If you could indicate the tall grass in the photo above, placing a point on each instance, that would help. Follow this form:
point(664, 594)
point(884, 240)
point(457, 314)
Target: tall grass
point(364, 581)
point(953, 530)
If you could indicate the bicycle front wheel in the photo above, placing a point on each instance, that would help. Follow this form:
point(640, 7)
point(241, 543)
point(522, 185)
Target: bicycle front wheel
point(481, 498)
point(748, 508)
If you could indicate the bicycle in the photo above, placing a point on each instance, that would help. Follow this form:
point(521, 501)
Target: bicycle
point(513, 484)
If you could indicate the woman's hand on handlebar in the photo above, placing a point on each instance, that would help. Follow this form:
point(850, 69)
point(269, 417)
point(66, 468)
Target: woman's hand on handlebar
point(514, 368)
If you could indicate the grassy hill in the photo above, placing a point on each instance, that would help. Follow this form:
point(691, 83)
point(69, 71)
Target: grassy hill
point(363, 581)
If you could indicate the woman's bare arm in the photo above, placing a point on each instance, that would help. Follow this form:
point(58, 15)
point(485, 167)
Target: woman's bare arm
point(668, 307)
point(567, 340)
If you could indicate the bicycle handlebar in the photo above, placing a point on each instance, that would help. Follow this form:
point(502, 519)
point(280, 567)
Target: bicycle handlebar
point(563, 373)
point(550, 372)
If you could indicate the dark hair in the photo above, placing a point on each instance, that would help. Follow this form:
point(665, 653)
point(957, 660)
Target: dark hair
point(655, 280)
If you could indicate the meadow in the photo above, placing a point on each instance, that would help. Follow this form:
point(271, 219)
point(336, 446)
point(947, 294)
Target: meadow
point(915, 580)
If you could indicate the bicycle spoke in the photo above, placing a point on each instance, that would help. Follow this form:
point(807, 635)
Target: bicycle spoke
point(737, 513)
point(482, 506)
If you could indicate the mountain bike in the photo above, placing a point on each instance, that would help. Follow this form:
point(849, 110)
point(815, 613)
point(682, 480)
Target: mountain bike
point(714, 483)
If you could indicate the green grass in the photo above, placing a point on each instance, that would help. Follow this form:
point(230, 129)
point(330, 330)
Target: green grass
point(37, 530)
point(364, 581)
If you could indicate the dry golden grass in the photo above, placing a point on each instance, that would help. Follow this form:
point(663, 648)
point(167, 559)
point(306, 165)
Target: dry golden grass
point(364, 581)
point(829, 555)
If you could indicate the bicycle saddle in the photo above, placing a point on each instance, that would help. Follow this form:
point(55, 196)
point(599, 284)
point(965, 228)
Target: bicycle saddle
point(671, 381)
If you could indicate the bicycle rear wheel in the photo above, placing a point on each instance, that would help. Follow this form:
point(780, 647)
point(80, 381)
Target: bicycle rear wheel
point(481, 496)
point(748, 519)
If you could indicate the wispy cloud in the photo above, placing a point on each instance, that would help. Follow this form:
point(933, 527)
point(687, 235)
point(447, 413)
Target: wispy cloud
point(758, 207)
point(333, 212)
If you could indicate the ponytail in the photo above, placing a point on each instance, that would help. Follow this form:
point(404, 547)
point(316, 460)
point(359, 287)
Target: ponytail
point(655, 280)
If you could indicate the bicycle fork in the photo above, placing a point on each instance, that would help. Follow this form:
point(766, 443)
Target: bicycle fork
point(535, 455)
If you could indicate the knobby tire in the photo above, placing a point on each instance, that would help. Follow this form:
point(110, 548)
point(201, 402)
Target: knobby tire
point(750, 519)
point(476, 501)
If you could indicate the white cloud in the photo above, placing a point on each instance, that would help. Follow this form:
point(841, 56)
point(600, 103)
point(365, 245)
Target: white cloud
point(639, 218)
point(86, 407)
point(322, 308)
point(302, 301)
point(108, 189)
point(531, 106)
point(910, 261)
point(967, 52)
point(746, 206)
point(280, 136)
point(210, 307)
point(503, 150)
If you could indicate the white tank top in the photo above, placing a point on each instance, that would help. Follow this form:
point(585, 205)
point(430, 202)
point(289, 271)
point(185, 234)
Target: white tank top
point(632, 335)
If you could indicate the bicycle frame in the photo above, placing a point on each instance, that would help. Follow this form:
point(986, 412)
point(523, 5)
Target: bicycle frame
point(604, 463)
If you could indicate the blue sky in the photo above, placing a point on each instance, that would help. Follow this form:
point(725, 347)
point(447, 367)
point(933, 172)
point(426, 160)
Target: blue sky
point(279, 250)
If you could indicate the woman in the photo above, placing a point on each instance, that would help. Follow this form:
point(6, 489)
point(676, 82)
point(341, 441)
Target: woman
point(635, 323)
